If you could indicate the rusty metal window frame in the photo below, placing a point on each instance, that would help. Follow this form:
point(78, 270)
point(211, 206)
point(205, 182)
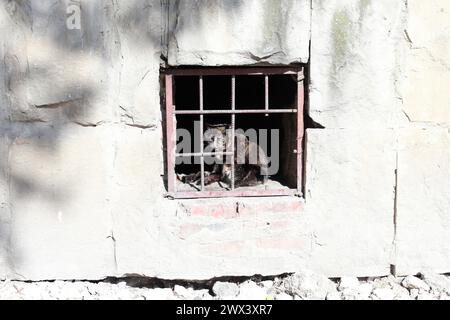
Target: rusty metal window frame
point(172, 112)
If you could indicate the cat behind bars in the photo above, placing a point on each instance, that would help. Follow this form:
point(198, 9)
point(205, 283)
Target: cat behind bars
point(250, 160)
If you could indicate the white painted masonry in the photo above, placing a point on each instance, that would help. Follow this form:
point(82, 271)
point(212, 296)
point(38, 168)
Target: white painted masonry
point(82, 155)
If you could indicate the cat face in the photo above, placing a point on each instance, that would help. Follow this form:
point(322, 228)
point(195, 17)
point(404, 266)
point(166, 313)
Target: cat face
point(215, 137)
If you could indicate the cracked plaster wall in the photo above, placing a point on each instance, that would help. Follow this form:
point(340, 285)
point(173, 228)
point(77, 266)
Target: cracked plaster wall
point(81, 155)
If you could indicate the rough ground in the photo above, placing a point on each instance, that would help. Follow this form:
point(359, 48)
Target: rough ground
point(298, 286)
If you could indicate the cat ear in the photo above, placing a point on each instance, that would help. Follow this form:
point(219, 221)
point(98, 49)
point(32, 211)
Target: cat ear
point(210, 125)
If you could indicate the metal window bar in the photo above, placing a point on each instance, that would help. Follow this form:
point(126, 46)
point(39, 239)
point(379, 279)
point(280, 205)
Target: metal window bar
point(205, 154)
point(233, 125)
point(202, 161)
point(266, 94)
point(171, 114)
point(243, 111)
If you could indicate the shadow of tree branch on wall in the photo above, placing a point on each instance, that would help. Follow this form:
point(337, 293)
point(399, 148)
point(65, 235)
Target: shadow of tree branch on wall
point(53, 79)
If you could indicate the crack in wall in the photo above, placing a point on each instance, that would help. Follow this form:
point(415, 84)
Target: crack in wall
point(429, 124)
point(150, 127)
point(394, 220)
point(114, 249)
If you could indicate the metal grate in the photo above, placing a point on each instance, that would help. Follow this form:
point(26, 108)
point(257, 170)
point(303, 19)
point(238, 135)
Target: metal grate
point(172, 112)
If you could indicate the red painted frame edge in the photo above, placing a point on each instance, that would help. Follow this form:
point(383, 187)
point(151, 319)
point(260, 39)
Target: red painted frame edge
point(300, 129)
point(232, 193)
point(170, 134)
point(225, 71)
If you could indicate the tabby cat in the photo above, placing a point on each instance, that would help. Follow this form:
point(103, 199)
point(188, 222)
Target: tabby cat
point(250, 160)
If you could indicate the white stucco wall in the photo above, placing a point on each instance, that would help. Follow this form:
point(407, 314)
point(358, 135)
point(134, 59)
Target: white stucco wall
point(81, 154)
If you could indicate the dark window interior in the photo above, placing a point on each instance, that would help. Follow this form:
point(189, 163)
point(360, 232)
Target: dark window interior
point(250, 91)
